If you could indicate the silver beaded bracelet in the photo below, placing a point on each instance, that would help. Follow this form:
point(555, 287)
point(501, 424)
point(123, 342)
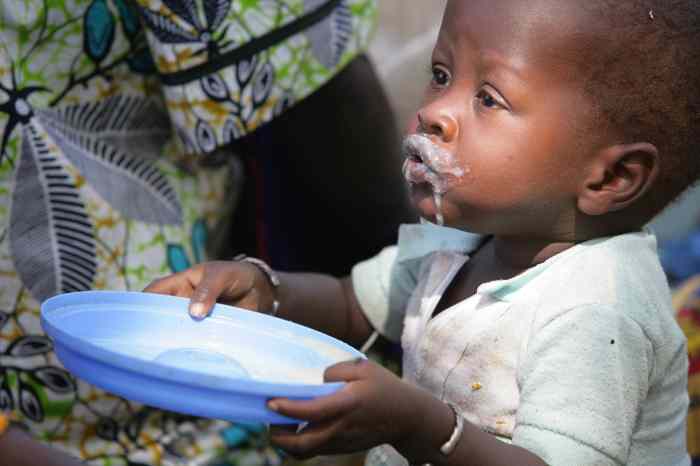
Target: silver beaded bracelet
point(269, 273)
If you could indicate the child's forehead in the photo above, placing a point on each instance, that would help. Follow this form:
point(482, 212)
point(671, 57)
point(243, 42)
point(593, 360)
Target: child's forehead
point(536, 32)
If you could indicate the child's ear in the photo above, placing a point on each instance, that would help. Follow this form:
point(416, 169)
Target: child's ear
point(618, 177)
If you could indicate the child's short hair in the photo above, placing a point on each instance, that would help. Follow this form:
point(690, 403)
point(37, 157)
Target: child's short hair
point(646, 81)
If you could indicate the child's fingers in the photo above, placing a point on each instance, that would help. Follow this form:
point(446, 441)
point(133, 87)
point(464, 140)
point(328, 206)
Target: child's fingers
point(250, 300)
point(157, 286)
point(348, 371)
point(174, 285)
point(212, 285)
point(308, 443)
point(225, 282)
point(205, 284)
point(316, 410)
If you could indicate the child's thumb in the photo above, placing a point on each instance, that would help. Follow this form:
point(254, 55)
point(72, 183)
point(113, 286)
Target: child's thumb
point(202, 302)
point(216, 278)
point(204, 297)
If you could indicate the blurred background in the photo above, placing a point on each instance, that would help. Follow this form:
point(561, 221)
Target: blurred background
point(401, 51)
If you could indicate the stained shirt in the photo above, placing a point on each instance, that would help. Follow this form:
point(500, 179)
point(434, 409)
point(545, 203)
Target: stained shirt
point(105, 108)
point(578, 359)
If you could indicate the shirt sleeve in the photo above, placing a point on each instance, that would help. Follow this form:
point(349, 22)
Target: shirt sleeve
point(582, 378)
point(375, 281)
point(384, 284)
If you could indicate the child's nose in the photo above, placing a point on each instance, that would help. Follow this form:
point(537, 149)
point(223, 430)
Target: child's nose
point(438, 123)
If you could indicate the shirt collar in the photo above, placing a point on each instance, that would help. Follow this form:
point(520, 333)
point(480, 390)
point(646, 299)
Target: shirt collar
point(509, 290)
point(417, 241)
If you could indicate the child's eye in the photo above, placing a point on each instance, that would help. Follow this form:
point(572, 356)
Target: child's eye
point(440, 76)
point(487, 100)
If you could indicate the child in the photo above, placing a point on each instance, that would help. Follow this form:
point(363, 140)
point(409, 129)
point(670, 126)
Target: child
point(555, 129)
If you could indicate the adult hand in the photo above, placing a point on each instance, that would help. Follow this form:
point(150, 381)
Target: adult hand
point(236, 283)
point(373, 408)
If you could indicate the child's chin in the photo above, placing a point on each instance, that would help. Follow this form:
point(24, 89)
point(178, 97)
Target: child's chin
point(424, 201)
point(425, 206)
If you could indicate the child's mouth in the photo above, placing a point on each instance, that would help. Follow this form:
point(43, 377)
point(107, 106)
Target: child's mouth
point(429, 170)
point(416, 172)
point(428, 163)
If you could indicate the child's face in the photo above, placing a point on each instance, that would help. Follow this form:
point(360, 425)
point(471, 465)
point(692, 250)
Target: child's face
point(505, 117)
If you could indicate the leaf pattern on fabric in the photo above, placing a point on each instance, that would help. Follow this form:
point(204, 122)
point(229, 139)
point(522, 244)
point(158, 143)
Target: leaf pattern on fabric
point(135, 125)
point(245, 70)
point(185, 9)
point(215, 88)
point(31, 345)
point(200, 234)
point(330, 38)
point(264, 81)
point(206, 137)
point(29, 402)
point(7, 403)
point(55, 379)
point(216, 11)
point(141, 62)
point(98, 31)
point(182, 24)
point(129, 18)
point(116, 175)
point(51, 238)
point(177, 258)
point(166, 30)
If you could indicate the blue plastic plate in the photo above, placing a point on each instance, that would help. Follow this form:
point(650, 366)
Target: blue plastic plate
point(145, 347)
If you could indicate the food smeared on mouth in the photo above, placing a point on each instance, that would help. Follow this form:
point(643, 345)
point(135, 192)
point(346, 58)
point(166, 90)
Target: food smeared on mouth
point(429, 167)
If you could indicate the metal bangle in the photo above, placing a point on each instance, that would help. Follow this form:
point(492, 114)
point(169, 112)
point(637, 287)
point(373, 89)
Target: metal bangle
point(451, 444)
point(448, 447)
point(269, 273)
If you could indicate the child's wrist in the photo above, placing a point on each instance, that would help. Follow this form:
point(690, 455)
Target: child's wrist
point(268, 276)
point(434, 432)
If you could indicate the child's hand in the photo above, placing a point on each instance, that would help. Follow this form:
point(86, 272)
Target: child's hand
point(374, 408)
point(236, 283)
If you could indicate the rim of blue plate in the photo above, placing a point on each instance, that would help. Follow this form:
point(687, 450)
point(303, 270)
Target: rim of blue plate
point(177, 375)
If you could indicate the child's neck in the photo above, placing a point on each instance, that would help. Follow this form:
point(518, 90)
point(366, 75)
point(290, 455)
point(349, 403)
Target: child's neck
point(520, 254)
point(501, 258)
point(504, 257)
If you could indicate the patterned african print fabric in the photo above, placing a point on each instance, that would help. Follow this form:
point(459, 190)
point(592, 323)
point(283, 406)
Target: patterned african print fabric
point(228, 67)
point(686, 301)
point(102, 105)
